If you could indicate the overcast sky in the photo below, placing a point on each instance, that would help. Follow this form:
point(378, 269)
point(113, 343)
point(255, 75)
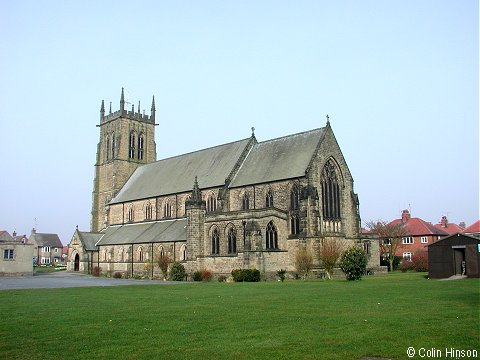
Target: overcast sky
point(399, 80)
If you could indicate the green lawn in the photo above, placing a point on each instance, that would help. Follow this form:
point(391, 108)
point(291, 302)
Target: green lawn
point(380, 315)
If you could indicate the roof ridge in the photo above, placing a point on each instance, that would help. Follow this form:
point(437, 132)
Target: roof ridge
point(291, 135)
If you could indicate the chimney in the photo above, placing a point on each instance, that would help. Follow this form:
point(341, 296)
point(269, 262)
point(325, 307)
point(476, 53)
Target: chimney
point(14, 233)
point(405, 216)
point(462, 224)
point(444, 221)
point(34, 231)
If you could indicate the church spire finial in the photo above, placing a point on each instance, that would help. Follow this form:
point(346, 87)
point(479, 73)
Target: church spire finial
point(122, 103)
point(253, 131)
point(102, 110)
point(328, 120)
point(152, 113)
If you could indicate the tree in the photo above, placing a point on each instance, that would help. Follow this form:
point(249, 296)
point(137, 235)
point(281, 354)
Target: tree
point(353, 263)
point(163, 261)
point(328, 253)
point(390, 236)
point(303, 262)
point(177, 272)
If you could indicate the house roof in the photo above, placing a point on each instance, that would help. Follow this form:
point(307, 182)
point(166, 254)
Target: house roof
point(419, 227)
point(5, 236)
point(474, 228)
point(152, 232)
point(89, 239)
point(212, 166)
point(450, 228)
point(278, 159)
point(51, 240)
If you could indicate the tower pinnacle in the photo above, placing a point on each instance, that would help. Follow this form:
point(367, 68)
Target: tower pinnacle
point(122, 103)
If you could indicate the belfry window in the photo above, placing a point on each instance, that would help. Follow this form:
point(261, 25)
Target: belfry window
point(271, 236)
point(246, 202)
point(215, 243)
point(140, 147)
point(330, 192)
point(113, 145)
point(294, 198)
point(232, 241)
point(131, 148)
point(295, 225)
point(269, 199)
point(107, 151)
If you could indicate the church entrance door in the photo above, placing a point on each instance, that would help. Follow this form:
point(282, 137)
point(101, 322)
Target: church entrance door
point(76, 263)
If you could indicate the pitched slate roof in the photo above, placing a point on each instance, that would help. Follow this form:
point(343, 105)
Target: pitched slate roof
point(51, 240)
point(176, 174)
point(153, 232)
point(278, 159)
point(89, 240)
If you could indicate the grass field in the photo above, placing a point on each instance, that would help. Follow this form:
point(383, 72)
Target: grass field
point(379, 316)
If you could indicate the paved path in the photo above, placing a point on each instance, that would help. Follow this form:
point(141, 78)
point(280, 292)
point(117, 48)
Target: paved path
point(65, 280)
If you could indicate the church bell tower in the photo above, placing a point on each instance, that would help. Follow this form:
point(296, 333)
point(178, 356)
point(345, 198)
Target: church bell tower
point(127, 141)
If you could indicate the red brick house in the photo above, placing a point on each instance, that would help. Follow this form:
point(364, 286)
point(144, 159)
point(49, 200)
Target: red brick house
point(419, 234)
point(473, 229)
point(449, 228)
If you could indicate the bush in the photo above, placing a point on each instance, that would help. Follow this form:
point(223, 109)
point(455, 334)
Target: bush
point(247, 275)
point(353, 263)
point(197, 276)
point(206, 275)
point(97, 271)
point(222, 278)
point(281, 274)
point(420, 261)
point(303, 262)
point(396, 262)
point(406, 265)
point(177, 272)
point(117, 275)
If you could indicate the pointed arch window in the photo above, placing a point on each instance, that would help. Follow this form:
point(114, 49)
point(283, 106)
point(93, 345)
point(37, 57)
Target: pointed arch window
point(330, 192)
point(140, 146)
point(185, 203)
point(148, 211)
point(269, 199)
point(232, 241)
point(140, 254)
point(130, 214)
point(245, 202)
point(113, 145)
point(295, 225)
point(183, 253)
point(211, 204)
point(131, 148)
point(167, 210)
point(107, 150)
point(295, 198)
point(271, 236)
point(215, 243)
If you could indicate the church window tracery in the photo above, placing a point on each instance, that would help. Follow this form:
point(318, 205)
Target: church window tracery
point(131, 148)
point(294, 198)
point(148, 211)
point(211, 203)
point(295, 224)
point(330, 192)
point(245, 202)
point(269, 199)
point(271, 236)
point(215, 243)
point(232, 241)
point(167, 209)
point(140, 146)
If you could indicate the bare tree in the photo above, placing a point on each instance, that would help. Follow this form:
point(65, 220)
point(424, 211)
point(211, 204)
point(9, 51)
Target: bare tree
point(303, 262)
point(329, 252)
point(163, 261)
point(390, 236)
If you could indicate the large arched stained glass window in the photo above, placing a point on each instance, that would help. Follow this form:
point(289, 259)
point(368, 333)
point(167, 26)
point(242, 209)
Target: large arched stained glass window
point(271, 236)
point(330, 192)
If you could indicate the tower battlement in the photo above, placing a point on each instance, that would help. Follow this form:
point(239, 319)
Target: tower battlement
point(125, 113)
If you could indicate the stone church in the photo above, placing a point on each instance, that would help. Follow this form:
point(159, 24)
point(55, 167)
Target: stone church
point(243, 204)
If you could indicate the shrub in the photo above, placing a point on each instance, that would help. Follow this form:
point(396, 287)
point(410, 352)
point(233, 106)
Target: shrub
point(97, 271)
point(396, 262)
point(163, 261)
point(222, 278)
point(281, 274)
point(206, 275)
point(328, 253)
point(353, 263)
point(420, 261)
point(303, 262)
point(406, 265)
point(247, 275)
point(177, 272)
point(197, 276)
point(117, 275)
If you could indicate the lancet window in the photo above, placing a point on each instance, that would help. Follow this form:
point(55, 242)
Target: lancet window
point(271, 236)
point(330, 192)
point(215, 243)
